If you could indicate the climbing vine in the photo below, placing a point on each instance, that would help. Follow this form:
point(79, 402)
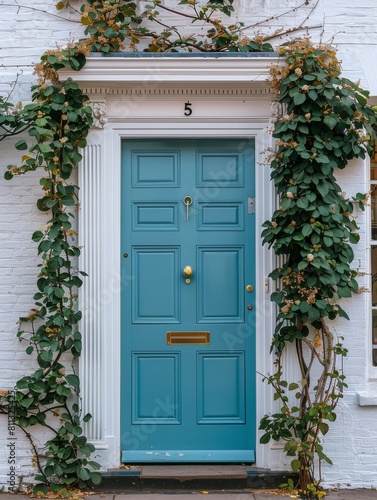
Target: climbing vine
point(57, 120)
point(114, 25)
point(327, 123)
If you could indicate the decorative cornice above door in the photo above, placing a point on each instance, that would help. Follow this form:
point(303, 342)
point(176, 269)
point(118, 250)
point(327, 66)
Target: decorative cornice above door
point(142, 86)
point(131, 68)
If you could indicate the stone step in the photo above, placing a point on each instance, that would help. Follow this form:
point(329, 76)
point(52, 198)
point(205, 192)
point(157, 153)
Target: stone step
point(193, 477)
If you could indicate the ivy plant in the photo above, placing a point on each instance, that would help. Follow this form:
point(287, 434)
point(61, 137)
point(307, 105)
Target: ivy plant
point(58, 121)
point(327, 123)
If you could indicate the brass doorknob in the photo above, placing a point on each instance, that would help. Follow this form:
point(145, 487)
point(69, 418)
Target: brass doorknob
point(187, 271)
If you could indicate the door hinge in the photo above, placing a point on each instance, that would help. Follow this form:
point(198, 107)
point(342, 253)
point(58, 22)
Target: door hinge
point(250, 205)
point(266, 285)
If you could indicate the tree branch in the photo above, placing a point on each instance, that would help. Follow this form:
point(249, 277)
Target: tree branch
point(40, 10)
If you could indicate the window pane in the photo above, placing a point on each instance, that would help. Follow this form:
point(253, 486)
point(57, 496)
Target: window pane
point(374, 336)
point(373, 177)
point(373, 171)
point(373, 205)
point(374, 276)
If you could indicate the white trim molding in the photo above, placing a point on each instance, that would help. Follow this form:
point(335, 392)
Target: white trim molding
point(162, 68)
point(230, 98)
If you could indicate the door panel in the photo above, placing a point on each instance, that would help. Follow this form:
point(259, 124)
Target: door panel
point(221, 388)
point(220, 299)
point(166, 374)
point(187, 395)
point(153, 266)
point(223, 169)
point(225, 216)
point(155, 216)
point(155, 170)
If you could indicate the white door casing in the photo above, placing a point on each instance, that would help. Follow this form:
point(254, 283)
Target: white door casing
point(145, 98)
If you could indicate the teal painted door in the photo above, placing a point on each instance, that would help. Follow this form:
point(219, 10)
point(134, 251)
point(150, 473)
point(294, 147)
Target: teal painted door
point(188, 340)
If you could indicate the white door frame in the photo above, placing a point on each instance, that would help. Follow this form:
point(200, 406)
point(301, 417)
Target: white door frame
point(124, 108)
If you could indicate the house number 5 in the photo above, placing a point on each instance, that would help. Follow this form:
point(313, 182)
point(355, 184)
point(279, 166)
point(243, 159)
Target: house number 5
point(188, 110)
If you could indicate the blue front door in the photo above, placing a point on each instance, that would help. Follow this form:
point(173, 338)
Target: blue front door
point(188, 335)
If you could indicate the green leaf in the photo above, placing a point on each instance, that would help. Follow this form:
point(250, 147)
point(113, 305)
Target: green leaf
point(331, 121)
point(37, 236)
point(67, 201)
point(44, 359)
point(80, 441)
point(323, 188)
point(50, 202)
point(313, 95)
point(265, 439)
point(277, 297)
point(59, 320)
point(299, 99)
point(77, 430)
point(38, 387)
point(8, 176)
point(59, 293)
point(342, 313)
point(40, 488)
point(285, 203)
point(58, 98)
point(307, 229)
point(344, 292)
point(25, 403)
point(73, 380)
point(69, 480)
point(84, 474)
point(354, 238)
point(72, 116)
point(44, 148)
point(321, 304)
point(23, 383)
point(314, 314)
point(96, 478)
point(328, 241)
point(41, 206)
point(324, 428)
point(303, 203)
point(86, 450)
point(304, 307)
point(21, 145)
point(58, 470)
point(24, 422)
point(296, 465)
point(94, 465)
point(322, 159)
point(302, 265)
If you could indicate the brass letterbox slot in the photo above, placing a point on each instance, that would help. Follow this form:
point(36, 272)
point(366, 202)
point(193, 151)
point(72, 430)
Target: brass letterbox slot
point(174, 338)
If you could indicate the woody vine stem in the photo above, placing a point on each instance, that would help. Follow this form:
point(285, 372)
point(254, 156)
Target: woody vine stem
point(328, 122)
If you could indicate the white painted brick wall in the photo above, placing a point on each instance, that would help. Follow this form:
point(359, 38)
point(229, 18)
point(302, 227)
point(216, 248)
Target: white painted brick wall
point(25, 33)
point(19, 218)
point(18, 261)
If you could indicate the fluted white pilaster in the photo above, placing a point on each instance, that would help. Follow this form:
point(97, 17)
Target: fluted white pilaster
point(90, 234)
